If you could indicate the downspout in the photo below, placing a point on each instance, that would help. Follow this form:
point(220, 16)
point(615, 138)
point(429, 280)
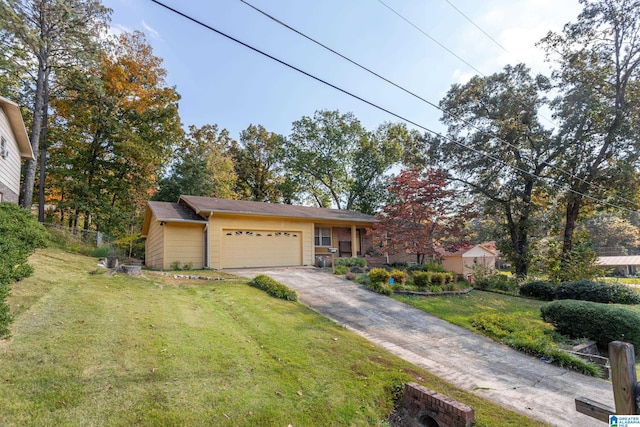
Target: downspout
point(207, 259)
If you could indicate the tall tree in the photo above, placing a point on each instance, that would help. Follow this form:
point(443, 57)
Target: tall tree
point(496, 145)
point(336, 161)
point(423, 213)
point(114, 132)
point(598, 77)
point(258, 163)
point(49, 34)
point(203, 166)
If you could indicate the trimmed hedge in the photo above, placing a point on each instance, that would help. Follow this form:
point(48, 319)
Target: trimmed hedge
point(380, 287)
point(587, 290)
point(399, 276)
point(539, 289)
point(341, 269)
point(602, 323)
point(273, 287)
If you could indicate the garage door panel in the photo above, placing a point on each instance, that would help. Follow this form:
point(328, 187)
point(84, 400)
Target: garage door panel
point(261, 248)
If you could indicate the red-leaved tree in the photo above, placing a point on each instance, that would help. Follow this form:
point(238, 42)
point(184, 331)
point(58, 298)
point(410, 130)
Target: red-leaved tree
point(424, 213)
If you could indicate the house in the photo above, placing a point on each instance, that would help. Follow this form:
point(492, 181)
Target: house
point(206, 232)
point(14, 147)
point(463, 260)
point(622, 265)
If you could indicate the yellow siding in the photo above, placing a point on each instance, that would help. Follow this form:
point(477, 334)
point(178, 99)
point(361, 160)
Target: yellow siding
point(453, 264)
point(154, 247)
point(220, 224)
point(9, 165)
point(183, 242)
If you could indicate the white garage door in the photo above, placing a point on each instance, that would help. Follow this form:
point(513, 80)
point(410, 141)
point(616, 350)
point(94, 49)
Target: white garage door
point(253, 248)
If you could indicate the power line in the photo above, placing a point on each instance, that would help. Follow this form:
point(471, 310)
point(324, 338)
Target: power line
point(479, 28)
point(374, 105)
point(431, 38)
point(444, 111)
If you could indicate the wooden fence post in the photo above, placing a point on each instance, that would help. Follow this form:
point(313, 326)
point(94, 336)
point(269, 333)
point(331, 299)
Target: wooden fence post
point(623, 377)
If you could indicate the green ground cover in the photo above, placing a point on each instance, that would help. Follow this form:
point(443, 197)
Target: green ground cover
point(88, 349)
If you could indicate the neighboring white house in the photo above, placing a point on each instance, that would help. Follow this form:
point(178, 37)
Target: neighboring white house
point(14, 147)
point(463, 260)
point(622, 265)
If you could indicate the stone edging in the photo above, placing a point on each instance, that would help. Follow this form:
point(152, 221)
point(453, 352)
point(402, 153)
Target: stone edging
point(434, 294)
point(183, 276)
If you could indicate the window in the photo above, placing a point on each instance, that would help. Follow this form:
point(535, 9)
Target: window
point(322, 236)
point(3, 147)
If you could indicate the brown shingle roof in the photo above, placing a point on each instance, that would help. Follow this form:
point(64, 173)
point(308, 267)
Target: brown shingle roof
point(211, 204)
point(165, 211)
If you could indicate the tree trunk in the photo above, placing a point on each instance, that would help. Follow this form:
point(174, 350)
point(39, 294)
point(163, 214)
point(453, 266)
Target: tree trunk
point(43, 152)
point(571, 217)
point(26, 192)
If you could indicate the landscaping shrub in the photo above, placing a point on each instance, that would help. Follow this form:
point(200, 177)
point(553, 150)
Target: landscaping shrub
point(352, 262)
point(441, 278)
point(433, 265)
point(539, 289)
point(379, 275)
point(422, 279)
point(175, 265)
point(350, 276)
point(399, 265)
point(399, 276)
point(20, 235)
point(273, 287)
point(587, 290)
point(380, 287)
point(341, 269)
point(602, 323)
point(435, 288)
point(509, 329)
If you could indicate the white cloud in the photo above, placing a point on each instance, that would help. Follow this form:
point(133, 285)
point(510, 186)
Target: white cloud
point(151, 31)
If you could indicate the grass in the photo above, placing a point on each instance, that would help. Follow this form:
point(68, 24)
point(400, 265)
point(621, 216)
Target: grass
point(514, 321)
point(94, 349)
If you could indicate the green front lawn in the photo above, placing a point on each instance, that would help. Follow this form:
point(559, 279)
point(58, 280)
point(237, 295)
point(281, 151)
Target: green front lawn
point(93, 349)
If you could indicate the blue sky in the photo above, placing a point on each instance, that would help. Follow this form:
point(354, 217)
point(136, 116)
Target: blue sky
point(225, 83)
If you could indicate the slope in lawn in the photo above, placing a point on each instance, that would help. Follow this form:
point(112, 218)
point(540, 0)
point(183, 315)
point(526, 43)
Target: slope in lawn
point(92, 349)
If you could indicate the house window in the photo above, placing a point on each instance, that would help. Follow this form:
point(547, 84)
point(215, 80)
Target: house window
point(3, 147)
point(322, 236)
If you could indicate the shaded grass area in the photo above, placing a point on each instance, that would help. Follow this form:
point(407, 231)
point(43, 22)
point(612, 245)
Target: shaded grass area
point(94, 349)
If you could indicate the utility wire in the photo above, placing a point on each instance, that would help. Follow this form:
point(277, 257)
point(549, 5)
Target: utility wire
point(479, 28)
point(430, 37)
point(565, 172)
point(374, 105)
point(444, 111)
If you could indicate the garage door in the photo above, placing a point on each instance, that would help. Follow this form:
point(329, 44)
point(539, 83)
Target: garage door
point(259, 248)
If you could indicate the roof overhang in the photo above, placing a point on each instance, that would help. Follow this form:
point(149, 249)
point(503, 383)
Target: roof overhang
point(12, 110)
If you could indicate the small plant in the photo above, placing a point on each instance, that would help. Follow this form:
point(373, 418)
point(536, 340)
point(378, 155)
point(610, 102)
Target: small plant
point(399, 276)
point(379, 275)
point(435, 289)
point(273, 287)
point(187, 266)
point(351, 276)
point(175, 265)
point(421, 279)
point(341, 270)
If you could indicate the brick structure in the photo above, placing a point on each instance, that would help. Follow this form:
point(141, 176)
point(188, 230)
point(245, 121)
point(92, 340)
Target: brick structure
point(421, 407)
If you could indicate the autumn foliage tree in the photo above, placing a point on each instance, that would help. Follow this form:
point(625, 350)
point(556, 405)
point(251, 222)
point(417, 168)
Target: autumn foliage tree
point(424, 213)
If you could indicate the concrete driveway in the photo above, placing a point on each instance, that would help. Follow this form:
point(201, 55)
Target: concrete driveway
point(467, 360)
